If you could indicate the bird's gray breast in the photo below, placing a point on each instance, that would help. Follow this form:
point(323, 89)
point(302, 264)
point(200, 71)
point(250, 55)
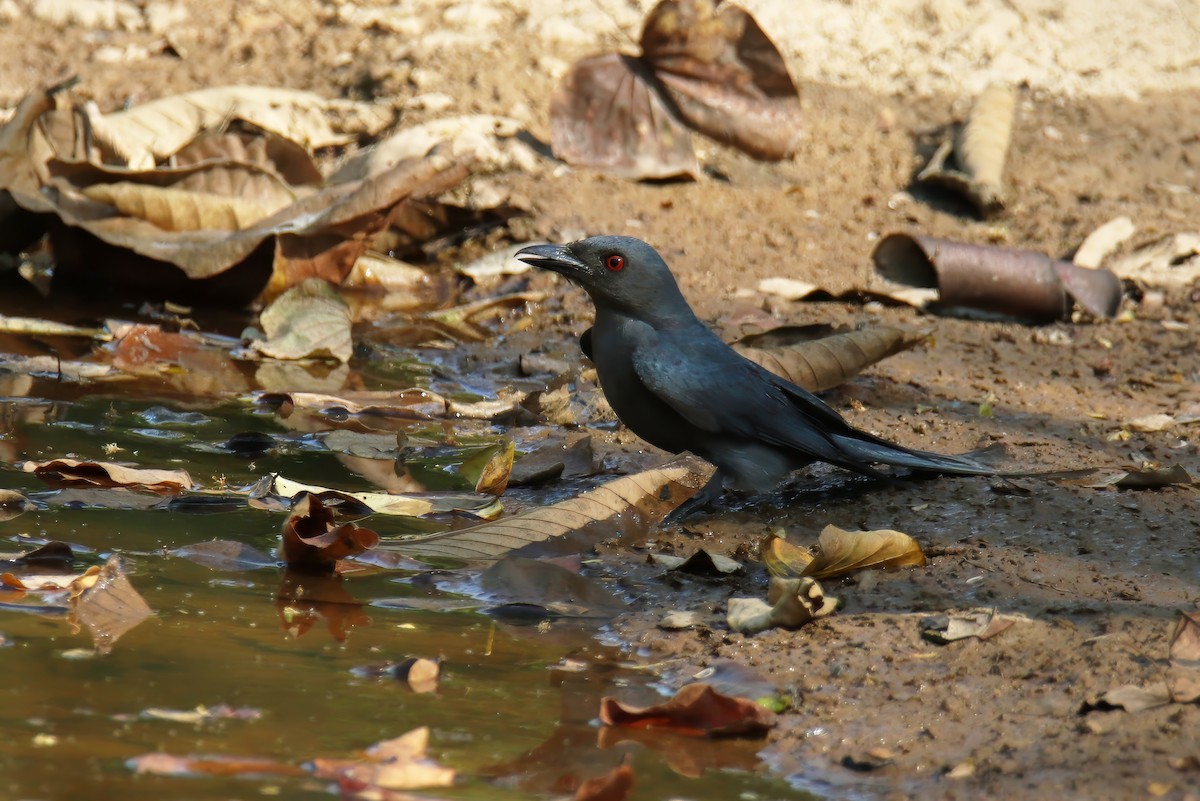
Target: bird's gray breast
point(615, 340)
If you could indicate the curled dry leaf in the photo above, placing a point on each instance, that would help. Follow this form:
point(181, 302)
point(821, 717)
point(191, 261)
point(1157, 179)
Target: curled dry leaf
point(643, 498)
point(972, 163)
point(310, 319)
point(1019, 283)
point(78, 473)
point(696, 709)
point(492, 467)
point(313, 542)
point(841, 552)
point(791, 602)
point(1104, 240)
point(712, 69)
point(829, 361)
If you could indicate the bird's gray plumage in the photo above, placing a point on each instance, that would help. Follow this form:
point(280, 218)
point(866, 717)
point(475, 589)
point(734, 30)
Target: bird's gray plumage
point(675, 384)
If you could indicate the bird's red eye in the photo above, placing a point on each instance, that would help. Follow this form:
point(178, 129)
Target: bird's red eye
point(615, 262)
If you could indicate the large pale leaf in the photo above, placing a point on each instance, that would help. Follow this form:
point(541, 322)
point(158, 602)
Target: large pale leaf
point(644, 497)
point(310, 319)
point(791, 603)
point(78, 473)
point(179, 209)
point(145, 134)
point(320, 235)
point(825, 362)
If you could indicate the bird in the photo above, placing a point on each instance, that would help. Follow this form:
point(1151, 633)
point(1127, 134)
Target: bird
point(677, 385)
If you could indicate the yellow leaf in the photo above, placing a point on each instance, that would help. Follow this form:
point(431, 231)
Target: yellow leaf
point(842, 552)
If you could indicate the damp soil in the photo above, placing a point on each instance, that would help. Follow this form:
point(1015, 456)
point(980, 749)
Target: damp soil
point(879, 712)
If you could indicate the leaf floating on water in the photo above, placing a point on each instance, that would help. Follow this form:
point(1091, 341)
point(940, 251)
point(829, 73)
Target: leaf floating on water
point(416, 673)
point(491, 468)
point(78, 473)
point(829, 361)
point(107, 605)
point(841, 552)
point(160, 764)
point(645, 498)
point(401, 763)
point(696, 709)
point(616, 785)
point(312, 542)
point(411, 505)
point(13, 503)
point(225, 555)
point(31, 326)
point(201, 714)
point(308, 320)
point(791, 603)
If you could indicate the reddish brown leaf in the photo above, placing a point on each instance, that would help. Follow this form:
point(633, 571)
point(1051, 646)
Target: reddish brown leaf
point(724, 76)
point(313, 542)
point(697, 709)
point(715, 71)
point(616, 785)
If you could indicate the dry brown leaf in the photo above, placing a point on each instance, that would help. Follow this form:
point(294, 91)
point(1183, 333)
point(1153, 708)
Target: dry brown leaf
point(841, 552)
point(696, 709)
point(320, 235)
point(643, 498)
point(161, 764)
point(13, 503)
point(142, 136)
point(827, 362)
point(397, 764)
point(179, 209)
point(78, 473)
point(712, 69)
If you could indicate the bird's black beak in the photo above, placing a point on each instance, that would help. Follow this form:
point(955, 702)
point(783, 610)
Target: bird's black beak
point(552, 257)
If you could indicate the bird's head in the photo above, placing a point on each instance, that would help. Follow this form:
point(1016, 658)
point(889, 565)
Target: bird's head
point(617, 271)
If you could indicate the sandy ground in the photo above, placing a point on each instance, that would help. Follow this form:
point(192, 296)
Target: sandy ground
point(1108, 124)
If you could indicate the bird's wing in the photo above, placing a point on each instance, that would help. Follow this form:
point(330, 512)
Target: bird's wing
point(716, 389)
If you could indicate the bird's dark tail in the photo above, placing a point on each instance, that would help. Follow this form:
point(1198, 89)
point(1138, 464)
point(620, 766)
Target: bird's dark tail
point(871, 450)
